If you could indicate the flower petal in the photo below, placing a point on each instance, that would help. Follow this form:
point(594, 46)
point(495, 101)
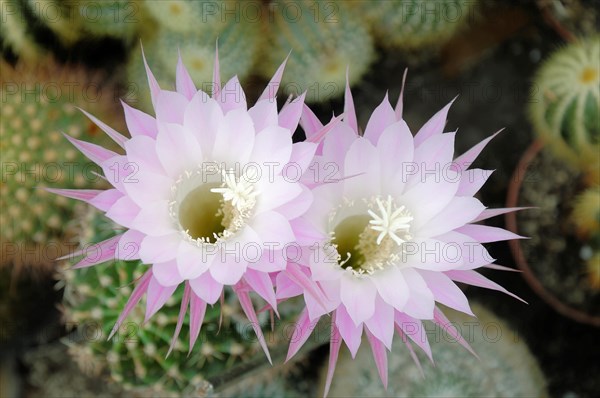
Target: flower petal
point(358, 295)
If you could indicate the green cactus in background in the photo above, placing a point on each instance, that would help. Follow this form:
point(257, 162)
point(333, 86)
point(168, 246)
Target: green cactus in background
point(136, 357)
point(37, 108)
point(73, 21)
point(506, 368)
point(15, 34)
point(57, 16)
point(411, 24)
point(565, 106)
point(238, 41)
point(120, 19)
point(325, 38)
point(586, 218)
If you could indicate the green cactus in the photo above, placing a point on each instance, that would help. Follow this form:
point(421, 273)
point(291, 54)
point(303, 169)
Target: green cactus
point(73, 21)
point(186, 16)
point(136, 357)
point(55, 16)
point(120, 19)
point(15, 34)
point(565, 105)
point(238, 45)
point(325, 38)
point(586, 218)
point(506, 368)
point(35, 111)
point(412, 24)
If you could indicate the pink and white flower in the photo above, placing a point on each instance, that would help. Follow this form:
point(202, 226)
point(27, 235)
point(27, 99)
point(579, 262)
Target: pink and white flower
point(202, 192)
point(394, 221)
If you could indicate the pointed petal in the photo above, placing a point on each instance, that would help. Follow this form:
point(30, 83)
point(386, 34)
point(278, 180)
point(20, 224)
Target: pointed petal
point(400, 104)
point(185, 85)
point(440, 319)
point(334, 350)
point(232, 96)
point(128, 247)
point(85, 195)
point(156, 296)
point(152, 83)
point(264, 114)
point(460, 211)
point(358, 295)
point(421, 303)
point(474, 278)
point(270, 92)
point(261, 283)
point(167, 273)
point(415, 330)
point(135, 298)
point(207, 288)
point(349, 111)
point(290, 114)
point(138, 122)
point(433, 126)
point(106, 199)
point(295, 274)
point(381, 324)
point(489, 213)
point(351, 333)
point(464, 161)
point(95, 153)
point(182, 310)
point(446, 292)
point(392, 287)
point(472, 180)
point(309, 122)
point(112, 133)
point(197, 312)
point(302, 331)
point(411, 350)
point(170, 107)
point(246, 304)
point(382, 117)
point(487, 234)
point(380, 357)
point(99, 253)
point(216, 76)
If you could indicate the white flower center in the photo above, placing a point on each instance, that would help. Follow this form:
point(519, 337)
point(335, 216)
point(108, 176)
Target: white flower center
point(368, 236)
point(209, 209)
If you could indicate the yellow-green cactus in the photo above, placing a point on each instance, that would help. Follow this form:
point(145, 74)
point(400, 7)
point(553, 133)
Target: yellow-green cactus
point(412, 24)
point(238, 45)
point(325, 40)
point(565, 106)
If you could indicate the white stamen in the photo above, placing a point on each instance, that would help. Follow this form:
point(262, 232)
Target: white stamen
point(241, 193)
point(390, 223)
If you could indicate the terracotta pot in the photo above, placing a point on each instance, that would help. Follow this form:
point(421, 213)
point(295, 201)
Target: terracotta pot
point(514, 190)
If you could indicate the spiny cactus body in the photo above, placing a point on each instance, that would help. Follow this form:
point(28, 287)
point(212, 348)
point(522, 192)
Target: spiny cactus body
point(136, 357)
point(119, 19)
point(326, 39)
point(238, 44)
point(38, 107)
point(565, 107)
point(506, 368)
point(411, 24)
